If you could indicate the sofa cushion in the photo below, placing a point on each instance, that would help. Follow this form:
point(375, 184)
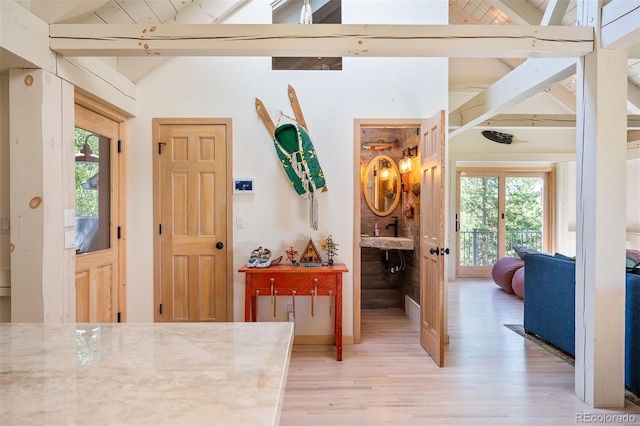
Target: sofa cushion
point(503, 270)
point(633, 261)
point(522, 251)
point(633, 255)
point(517, 283)
point(564, 257)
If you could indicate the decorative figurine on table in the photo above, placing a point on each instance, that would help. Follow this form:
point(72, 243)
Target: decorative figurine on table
point(291, 255)
point(330, 247)
point(310, 256)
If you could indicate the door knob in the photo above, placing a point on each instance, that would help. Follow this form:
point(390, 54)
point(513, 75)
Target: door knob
point(444, 251)
point(435, 251)
point(219, 245)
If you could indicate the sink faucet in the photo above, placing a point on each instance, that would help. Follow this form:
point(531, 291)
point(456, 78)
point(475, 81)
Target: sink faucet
point(394, 225)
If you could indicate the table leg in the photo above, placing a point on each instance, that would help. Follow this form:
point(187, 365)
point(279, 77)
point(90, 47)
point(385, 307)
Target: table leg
point(254, 308)
point(339, 318)
point(247, 302)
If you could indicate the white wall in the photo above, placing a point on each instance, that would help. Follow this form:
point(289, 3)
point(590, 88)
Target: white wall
point(275, 216)
point(633, 195)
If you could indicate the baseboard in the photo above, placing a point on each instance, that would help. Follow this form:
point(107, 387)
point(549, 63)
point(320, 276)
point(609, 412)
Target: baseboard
point(412, 310)
point(320, 340)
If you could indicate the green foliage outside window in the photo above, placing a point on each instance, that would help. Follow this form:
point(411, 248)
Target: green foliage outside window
point(479, 201)
point(86, 199)
point(480, 215)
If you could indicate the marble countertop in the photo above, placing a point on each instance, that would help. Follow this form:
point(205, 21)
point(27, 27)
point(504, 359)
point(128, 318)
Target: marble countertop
point(144, 374)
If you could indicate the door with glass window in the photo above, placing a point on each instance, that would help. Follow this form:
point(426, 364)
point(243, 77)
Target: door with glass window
point(98, 229)
point(497, 210)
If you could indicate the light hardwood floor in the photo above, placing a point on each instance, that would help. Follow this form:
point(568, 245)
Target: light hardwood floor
point(491, 376)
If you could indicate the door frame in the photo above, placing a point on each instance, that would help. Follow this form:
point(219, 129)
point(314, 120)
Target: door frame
point(358, 172)
point(121, 212)
point(157, 123)
point(501, 172)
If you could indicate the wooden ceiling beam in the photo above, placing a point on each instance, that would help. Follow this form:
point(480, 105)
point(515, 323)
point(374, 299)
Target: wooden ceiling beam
point(538, 121)
point(633, 98)
point(620, 24)
point(555, 11)
point(520, 12)
point(355, 40)
point(529, 78)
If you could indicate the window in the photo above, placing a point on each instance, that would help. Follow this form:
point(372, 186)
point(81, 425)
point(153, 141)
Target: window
point(325, 12)
point(498, 209)
point(93, 204)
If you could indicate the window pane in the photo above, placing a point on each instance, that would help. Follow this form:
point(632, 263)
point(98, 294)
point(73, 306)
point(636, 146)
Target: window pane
point(478, 221)
point(92, 168)
point(524, 213)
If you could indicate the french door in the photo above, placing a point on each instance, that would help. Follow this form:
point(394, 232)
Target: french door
point(497, 210)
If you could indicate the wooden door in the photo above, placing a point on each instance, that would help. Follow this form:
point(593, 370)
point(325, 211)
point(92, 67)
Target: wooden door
point(191, 211)
point(99, 217)
point(432, 248)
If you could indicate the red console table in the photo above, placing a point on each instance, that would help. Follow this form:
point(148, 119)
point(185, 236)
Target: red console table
point(288, 280)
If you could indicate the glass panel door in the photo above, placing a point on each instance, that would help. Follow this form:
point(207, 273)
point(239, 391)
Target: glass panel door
point(499, 209)
point(524, 213)
point(478, 222)
point(93, 201)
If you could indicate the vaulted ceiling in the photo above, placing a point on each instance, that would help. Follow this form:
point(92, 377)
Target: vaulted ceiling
point(461, 12)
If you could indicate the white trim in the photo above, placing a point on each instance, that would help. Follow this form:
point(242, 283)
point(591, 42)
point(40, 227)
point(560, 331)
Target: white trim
point(412, 310)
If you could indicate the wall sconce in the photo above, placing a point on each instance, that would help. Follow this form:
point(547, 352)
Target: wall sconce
point(405, 166)
point(86, 155)
point(384, 173)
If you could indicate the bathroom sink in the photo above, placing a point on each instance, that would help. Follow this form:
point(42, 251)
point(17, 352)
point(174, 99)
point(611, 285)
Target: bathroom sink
point(387, 243)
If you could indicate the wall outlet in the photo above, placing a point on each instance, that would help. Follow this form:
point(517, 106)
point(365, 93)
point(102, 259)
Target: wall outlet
point(289, 308)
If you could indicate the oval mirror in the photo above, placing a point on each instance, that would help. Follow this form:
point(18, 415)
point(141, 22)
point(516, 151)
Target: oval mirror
point(382, 185)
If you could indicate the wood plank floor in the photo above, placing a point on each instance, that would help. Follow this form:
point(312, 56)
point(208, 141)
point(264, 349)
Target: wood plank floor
point(492, 375)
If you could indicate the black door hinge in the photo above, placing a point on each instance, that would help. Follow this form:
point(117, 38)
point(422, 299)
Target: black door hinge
point(119, 232)
point(119, 146)
point(119, 317)
point(160, 228)
point(160, 145)
point(161, 309)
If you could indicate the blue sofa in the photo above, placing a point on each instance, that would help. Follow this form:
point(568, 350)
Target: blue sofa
point(549, 309)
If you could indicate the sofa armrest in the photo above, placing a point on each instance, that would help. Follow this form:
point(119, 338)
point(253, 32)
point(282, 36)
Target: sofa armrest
point(632, 333)
point(549, 299)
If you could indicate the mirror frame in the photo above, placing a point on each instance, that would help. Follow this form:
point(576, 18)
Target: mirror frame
point(365, 180)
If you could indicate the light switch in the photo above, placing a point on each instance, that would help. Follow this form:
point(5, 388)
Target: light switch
point(69, 239)
point(69, 217)
point(240, 221)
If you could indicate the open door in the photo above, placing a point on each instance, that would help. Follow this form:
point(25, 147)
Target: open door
point(100, 243)
point(432, 249)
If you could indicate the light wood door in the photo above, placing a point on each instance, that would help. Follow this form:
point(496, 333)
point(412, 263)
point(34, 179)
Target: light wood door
point(432, 248)
point(191, 207)
point(98, 213)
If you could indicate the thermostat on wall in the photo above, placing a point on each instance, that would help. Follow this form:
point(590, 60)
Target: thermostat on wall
point(243, 185)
